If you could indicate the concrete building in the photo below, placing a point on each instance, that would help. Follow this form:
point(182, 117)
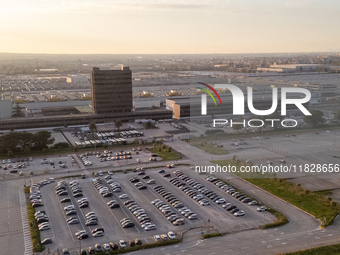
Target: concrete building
point(6, 109)
point(111, 90)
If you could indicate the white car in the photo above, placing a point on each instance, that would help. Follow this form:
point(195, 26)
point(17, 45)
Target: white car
point(198, 196)
point(90, 213)
point(45, 227)
point(204, 203)
point(82, 200)
point(106, 246)
point(69, 208)
point(74, 182)
point(261, 208)
point(123, 196)
point(80, 232)
point(150, 227)
point(254, 202)
point(185, 211)
point(152, 181)
point(43, 224)
point(110, 173)
point(192, 217)
point(157, 238)
point(220, 201)
point(100, 173)
point(122, 244)
point(103, 191)
point(239, 213)
point(98, 234)
point(138, 211)
point(146, 224)
point(171, 235)
point(156, 201)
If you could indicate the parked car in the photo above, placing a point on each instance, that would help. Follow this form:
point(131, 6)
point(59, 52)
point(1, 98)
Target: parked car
point(261, 208)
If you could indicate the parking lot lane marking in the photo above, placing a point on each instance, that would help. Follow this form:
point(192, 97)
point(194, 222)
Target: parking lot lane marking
point(26, 231)
point(62, 209)
point(113, 213)
point(146, 240)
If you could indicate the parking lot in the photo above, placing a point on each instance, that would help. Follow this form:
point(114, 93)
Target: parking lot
point(116, 157)
point(63, 234)
point(68, 163)
point(37, 165)
point(318, 147)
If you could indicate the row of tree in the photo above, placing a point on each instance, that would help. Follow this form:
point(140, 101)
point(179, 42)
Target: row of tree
point(93, 126)
point(25, 141)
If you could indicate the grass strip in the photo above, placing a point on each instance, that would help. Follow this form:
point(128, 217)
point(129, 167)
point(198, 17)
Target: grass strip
point(35, 233)
point(210, 148)
point(165, 152)
point(323, 250)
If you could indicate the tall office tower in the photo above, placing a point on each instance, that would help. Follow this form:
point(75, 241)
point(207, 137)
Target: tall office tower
point(111, 90)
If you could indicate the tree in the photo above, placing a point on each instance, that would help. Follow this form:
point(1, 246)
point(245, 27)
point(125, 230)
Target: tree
point(15, 141)
point(10, 153)
point(27, 150)
point(92, 127)
point(150, 124)
point(42, 139)
point(315, 119)
point(118, 123)
point(17, 111)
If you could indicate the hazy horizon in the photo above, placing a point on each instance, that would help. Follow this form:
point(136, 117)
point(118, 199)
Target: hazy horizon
point(169, 27)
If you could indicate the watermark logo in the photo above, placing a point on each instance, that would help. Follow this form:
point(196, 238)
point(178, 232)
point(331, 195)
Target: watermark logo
point(238, 99)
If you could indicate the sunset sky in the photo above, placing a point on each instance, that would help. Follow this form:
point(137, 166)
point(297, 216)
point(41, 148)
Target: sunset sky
point(177, 26)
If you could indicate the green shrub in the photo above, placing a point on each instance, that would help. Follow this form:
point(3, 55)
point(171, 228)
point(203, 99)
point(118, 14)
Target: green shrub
point(280, 220)
point(145, 246)
point(61, 145)
point(206, 236)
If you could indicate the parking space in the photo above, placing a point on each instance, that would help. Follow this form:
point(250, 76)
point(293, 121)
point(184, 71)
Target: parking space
point(37, 165)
